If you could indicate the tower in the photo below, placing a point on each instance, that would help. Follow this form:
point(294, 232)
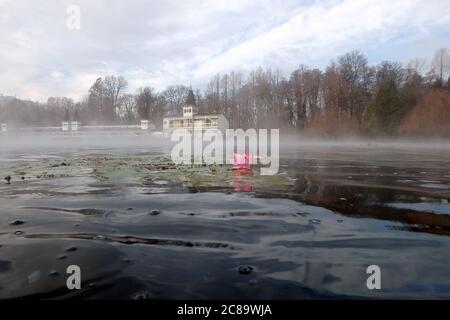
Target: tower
point(190, 107)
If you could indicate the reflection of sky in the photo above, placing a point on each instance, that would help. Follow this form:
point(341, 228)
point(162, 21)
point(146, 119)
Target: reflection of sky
point(442, 208)
point(340, 251)
point(434, 186)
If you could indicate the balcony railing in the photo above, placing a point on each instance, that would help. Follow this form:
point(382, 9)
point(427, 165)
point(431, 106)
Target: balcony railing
point(206, 125)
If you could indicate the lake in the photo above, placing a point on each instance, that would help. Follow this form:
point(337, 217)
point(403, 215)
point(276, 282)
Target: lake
point(140, 227)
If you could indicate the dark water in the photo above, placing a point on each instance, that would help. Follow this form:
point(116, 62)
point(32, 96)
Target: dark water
point(141, 228)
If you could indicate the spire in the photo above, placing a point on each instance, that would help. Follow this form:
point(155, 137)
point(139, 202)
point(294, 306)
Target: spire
point(190, 100)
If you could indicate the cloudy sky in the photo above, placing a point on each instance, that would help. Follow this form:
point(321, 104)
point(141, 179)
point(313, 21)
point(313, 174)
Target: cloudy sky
point(163, 42)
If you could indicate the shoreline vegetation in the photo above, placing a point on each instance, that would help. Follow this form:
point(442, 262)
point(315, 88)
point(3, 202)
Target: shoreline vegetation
point(349, 98)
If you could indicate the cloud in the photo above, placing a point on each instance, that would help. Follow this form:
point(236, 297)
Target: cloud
point(163, 43)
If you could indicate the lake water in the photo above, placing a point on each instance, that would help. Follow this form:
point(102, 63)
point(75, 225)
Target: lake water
point(141, 228)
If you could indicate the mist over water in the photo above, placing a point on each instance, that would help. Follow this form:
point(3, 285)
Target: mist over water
point(141, 227)
point(91, 181)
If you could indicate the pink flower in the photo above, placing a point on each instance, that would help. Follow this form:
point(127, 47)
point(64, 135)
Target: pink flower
point(242, 161)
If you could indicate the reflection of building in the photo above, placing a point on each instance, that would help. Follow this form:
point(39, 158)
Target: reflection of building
point(69, 124)
point(242, 180)
point(192, 120)
point(74, 125)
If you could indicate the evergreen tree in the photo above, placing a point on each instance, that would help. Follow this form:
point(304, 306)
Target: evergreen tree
point(385, 111)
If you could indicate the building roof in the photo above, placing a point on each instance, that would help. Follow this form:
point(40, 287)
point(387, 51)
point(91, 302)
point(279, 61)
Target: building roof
point(198, 115)
point(190, 100)
point(207, 114)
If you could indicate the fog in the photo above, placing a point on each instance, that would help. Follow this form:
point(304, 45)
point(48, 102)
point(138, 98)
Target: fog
point(59, 141)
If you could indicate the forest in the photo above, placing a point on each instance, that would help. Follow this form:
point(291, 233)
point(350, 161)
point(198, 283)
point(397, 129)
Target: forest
point(348, 98)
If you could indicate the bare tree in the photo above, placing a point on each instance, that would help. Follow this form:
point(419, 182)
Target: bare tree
point(128, 108)
point(96, 100)
point(63, 103)
point(348, 97)
point(441, 64)
point(357, 76)
point(299, 97)
point(114, 86)
point(417, 65)
point(175, 97)
point(312, 85)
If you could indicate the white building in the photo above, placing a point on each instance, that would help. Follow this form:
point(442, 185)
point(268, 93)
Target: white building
point(192, 120)
point(74, 125)
point(144, 124)
point(65, 126)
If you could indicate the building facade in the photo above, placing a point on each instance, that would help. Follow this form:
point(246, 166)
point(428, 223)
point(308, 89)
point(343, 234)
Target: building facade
point(192, 120)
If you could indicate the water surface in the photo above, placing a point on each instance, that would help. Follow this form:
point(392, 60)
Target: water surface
point(142, 228)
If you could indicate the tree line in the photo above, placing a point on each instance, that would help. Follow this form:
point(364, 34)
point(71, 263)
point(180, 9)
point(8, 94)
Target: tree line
point(348, 97)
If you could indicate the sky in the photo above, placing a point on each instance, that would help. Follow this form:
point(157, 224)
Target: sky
point(159, 43)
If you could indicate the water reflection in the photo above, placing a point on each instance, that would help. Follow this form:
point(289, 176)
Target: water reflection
point(144, 228)
point(242, 180)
